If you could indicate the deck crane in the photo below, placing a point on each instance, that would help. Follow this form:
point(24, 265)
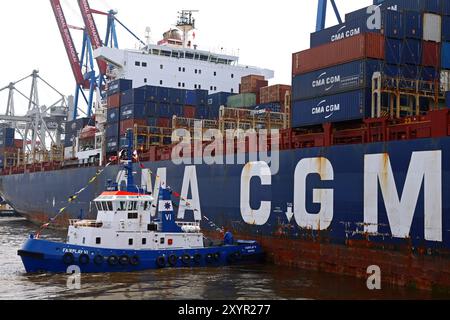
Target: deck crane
point(322, 14)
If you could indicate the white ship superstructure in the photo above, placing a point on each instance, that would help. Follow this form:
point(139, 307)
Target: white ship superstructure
point(174, 62)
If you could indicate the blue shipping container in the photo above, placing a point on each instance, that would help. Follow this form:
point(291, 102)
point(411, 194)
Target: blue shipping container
point(177, 96)
point(447, 99)
point(413, 24)
point(133, 111)
point(177, 110)
point(412, 52)
point(341, 107)
point(72, 127)
point(393, 24)
point(342, 31)
point(112, 130)
point(446, 28)
point(445, 58)
point(346, 77)
point(112, 144)
point(133, 96)
point(113, 115)
point(218, 99)
point(202, 112)
point(163, 95)
point(118, 86)
point(158, 110)
point(393, 51)
point(395, 5)
point(7, 133)
point(6, 142)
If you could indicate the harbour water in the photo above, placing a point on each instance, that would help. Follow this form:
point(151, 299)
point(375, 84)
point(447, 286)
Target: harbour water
point(232, 283)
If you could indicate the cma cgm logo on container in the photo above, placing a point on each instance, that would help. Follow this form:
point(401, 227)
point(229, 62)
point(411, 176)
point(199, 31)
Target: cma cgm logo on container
point(327, 109)
point(343, 34)
point(324, 80)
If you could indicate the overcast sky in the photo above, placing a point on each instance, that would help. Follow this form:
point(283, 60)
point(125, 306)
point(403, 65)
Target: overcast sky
point(265, 32)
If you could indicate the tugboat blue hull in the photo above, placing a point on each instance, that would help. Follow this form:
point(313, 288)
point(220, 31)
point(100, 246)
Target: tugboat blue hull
point(41, 256)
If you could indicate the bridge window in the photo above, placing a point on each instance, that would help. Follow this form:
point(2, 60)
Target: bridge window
point(132, 205)
point(110, 205)
point(146, 205)
point(122, 206)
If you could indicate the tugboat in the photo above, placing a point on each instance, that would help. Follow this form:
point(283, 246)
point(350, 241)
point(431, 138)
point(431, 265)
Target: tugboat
point(126, 238)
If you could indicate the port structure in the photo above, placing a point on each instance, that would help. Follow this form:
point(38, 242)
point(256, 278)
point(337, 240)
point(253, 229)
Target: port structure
point(87, 76)
point(42, 125)
point(322, 13)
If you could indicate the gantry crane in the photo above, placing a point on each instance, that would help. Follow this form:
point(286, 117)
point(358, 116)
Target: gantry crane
point(322, 13)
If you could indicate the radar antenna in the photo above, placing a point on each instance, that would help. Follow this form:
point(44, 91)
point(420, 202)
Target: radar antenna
point(186, 23)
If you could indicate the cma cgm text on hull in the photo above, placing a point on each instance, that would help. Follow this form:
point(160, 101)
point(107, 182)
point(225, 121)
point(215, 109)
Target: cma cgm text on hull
point(399, 197)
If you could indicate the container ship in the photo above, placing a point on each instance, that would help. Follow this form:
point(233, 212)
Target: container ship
point(354, 171)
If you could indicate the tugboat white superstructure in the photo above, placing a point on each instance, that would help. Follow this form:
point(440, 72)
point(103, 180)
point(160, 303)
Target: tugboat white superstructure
point(125, 237)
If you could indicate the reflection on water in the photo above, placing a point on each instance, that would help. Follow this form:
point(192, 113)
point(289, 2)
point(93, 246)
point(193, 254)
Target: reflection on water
point(231, 283)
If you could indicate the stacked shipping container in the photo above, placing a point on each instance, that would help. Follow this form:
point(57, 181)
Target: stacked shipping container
point(331, 81)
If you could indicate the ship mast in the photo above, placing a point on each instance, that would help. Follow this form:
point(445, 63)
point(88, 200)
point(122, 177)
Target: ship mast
point(186, 23)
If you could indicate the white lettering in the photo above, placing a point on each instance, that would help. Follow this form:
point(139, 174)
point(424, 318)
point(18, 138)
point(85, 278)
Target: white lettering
point(190, 182)
point(424, 166)
point(261, 216)
point(324, 197)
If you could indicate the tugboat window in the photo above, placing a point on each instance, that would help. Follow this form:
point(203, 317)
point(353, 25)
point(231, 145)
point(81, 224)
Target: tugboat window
point(132, 205)
point(98, 241)
point(162, 241)
point(130, 242)
point(110, 206)
point(132, 215)
point(145, 206)
point(144, 241)
point(122, 206)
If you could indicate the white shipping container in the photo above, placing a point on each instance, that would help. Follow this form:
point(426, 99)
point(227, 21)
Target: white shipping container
point(68, 153)
point(432, 27)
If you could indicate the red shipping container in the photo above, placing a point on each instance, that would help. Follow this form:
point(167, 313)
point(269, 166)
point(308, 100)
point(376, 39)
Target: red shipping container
point(367, 45)
point(189, 112)
point(113, 101)
point(129, 124)
point(18, 144)
point(164, 123)
point(274, 94)
point(431, 56)
point(252, 84)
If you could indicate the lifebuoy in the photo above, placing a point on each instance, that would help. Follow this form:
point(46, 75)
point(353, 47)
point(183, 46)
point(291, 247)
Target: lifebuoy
point(124, 260)
point(68, 259)
point(98, 260)
point(113, 261)
point(134, 261)
point(186, 259)
point(84, 259)
point(198, 258)
point(161, 262)
point(173, 259)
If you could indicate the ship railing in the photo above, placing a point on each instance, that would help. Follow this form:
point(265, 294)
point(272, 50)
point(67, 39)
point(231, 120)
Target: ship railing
point(188, 224)
point(85, 223)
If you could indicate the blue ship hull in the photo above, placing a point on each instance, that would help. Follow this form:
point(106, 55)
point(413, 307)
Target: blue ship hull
point(41, 256)
point(391, 196)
